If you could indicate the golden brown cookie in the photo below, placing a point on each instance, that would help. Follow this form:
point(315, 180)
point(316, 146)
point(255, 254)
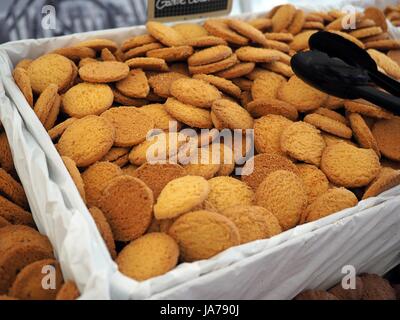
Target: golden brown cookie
point(189, 115)
point(284, 195)
point(232, 115)
point(76, 53)
point(297, 23)
point(300, 41)
point(261, 24)
point(267, 85)
point(333, 103)
point(28, 284)
point(190, 30)
point(157, 176)
point(104, 71)
point(171, 54)
point(262, 107)
point(152, 255)
point(387, 135)
point(135, 85)
point(148, 64)
point(348, 294)
point(131, 126)
point(23, 82)
point(127, 203)
point(332, 201)
point(280, 68)
point(314, 180)
point(243, 83)
point(237, 71)
point(87, 140)
point(98, 44)
point(87, 99)
point(210, 55)
point(137, 41)
point(252, 54)
point(220, 28)
point(383, 45)
point(377, 16)
point(221, 84)
point(386, 63)
point(301, 95)
point(45, 102)
point(283, 17)
point(59, 129)
point(53, 113)
point(280, 36)
point(248, 31)
point(161, 82)
point(195, 92)
point(377, 288)
point(118, 156)
point(215, 67)
point(160, 116)
point(14, 214)
point(366, 32)
point(165, 34)
point(201, 162)
point(262, 165)
point(382, 36)
point(75, 175)
point(331, 114)
point(329, 125)
point(107, 55)
point(24, 64)
point(104, 229)
point(388, 178)
point(331, 139)
point(96, 178)
point(6, 158)
point(68, 291)
point(362, 133)
point(141, 51)
point(267, 133)
point(180, 196)
point(86, 61)
point(50, 69)
point(226, 192)
point(366, 108)
point(203, 234)
point(206, 41)
point(349, 166)
point(303, 142)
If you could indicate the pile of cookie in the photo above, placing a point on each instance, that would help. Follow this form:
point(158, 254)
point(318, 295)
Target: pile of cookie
point(367, 287)
point(393, 14)
point(315, 154)
point(24, 252)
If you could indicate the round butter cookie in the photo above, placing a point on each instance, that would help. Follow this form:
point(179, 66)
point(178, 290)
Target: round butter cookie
point(224, 85)
point(206, 41)
point(59, 129)
point(252, 54)
point(14, 214)
point(160, 116)
point(75, 175)
point(202, 162)
point(388, 178)
point(210, 55)
point(329, 125)
point(118, 156)
point(104, 229)
point(181, 53)
point(98, 44)
point(366, 108)
point(135, 85)
point(237, 71)
point(362, 133)
point(23, 82)
point(161, 82)
point(247, 30)
point(220, 28)
point(270, 106)
point(190, 30)
point(300, 41)
point(148, 64)
point(137, 41)
point(76, 53)
point(68, 291)
point(165, 34)
point(332, 114)
point(104, 71)
point(216, 66)
point(314, 180)
point(232, 115)
point(386, 63)
point(203, 234)
point(141, 51)
point(267, 86)
point(152, 255)
point(45, 102)
point(387, 135)
point(283, 17)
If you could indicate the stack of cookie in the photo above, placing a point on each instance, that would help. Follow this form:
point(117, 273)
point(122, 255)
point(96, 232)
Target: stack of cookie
point(315, 154)
point(24, 251)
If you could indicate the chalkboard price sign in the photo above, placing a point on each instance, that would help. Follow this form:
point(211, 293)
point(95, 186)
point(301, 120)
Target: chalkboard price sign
point(187, 9)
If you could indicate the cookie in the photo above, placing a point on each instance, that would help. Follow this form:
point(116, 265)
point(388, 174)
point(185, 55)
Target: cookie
point(330, 202)
point(142, 50)
point(161, 82)
point(386, 63)
point(366, 32)
point(201, 162)
point(210, 55)
point(247, 30)
point(221, 84)
point(86, 61)
point(267, 86)
point(118, 156)
point(53, 113)
point(362, 133)
point(348, 166)
point(96, 178)
point(160, 116)
point(137, 41)
point(252, 54)
point(262, 107)
point(329, 125)
point(190, 30)
point(172, 54)
point(232, 115)
point(14, 214)
point(387, 135)
point(180, 196)
point(314, 180)
point(388, 178)
point(313, 25)
point(279, 36)
point(333, 103)
point(148, 64)
point(126, 101)
point(45, 102)
point(50, 69)
point(331, 114)
point(206, 41)
point(203, 234)
point(300, 41)
point(107, 55)
point(152, 255)
point(104, 71)
point(261, 24)
point(104, 229)
point(383, 45)
point(280, 68)
point(87, 140)
point(262, 165)
point(226, 192)
point(283, 17)
point(284, 195)
point(135, 85)
point(165, 34)
point(226, 160)
point(87, 99)
point(303, 142)
point(376, 288)
point(237, 71)
point(254, 223)
point(28, 283)
point(267, 133)
point(68, 291)
point(23, 82)
point(24, 64)
point(277, 45)
point(220, 28)
point(157, 176)
point(6, 158)
point(331, 139)
point(59, 129)
point(301, 95)
point(348, 294)
point(382, 36)
point(98, 44)
point(215, 67)
point(127, 203)
point(75, 175)
point(366, 108)
point(76, 53)
point(297, 23)
point(243, 84)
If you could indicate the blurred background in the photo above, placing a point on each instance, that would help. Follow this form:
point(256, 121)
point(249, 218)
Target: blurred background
point(21, 19)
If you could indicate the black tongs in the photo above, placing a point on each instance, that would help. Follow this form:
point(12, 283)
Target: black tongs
point(340, 68)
